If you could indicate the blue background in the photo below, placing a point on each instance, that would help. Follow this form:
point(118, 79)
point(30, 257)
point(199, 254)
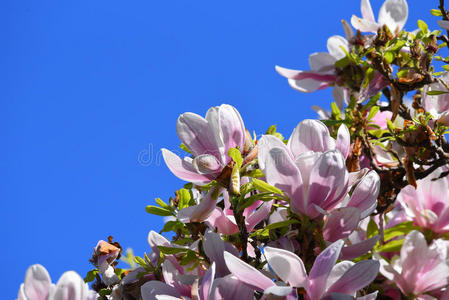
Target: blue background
point(91, 90)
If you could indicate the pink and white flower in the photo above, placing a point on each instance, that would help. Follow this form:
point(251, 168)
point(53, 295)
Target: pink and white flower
point(437, 105)
point(428, 204)
point(393, 13)
point(419, 268)
point(209, 140)
point(38, 286)
point(326, 279)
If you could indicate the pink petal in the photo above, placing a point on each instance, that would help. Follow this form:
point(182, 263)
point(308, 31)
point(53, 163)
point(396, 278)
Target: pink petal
point(356, 250)
point(340, 223)
point(257, 216)
point(229, 287)
point(154, 288)
point(70, 286)
point(287, 266)
point(328, 182)
point(356, 278)
point(349, 33)
point(337, 296)
point(207, 164)
point(214, 248)
point(307, 81)
point(365, 194)
point(394, 14)
point(200, 212)
point(280, 170)
point(364, 25)
point(231, 127)
point(206, 283)
point(322, 62)
point(183, 169)
point(443, 24)
point(335, 44)
point(37, 283)
point(246, 273)
point(321, 269)
point(341, 96)
point(196, 133)
point(309, 85)
point(310, 135)
point(343, 140)
point(223, 223)
point(374, 86)
point(367, 11)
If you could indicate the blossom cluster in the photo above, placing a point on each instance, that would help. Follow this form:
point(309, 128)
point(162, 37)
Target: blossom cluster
point(352, 206)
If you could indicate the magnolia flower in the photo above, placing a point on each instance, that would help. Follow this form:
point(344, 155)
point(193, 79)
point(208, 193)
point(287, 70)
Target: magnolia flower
point(312, 172)
point(393, 13)
point(209, 140)
point(105, 254)
point(419, 268)
point(183, 282)
point(437, 105)
point(38, 286)
point(322, 67)
point(428, 204)
point(326, 280)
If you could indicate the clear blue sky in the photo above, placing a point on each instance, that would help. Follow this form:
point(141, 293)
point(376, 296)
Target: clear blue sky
point(88, 85)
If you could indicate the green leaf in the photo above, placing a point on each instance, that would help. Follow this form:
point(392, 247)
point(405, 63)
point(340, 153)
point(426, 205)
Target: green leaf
point(141, 262)
point(236, 156)
point(162, 204)
point(402, 73)
point(369, 74)
point(184, 147)
point(372, 229)
point(373, 111)
point(436, 93)
point(390, 125)
point(171, 250)
point(335, 111)
point(397, 46)
point(188, 258)
point(392, 246)
point(247, 202)
point(264, 231)
point(335, 122)
point(377, 132)
point(235, 179)
point(389, 57)
point(398, 230)
point(105, 292)
point(423, 26)
point(184, 198)
point(90, 276)
point(373, 101)
point(159, 211)
point(265, 187)
point(342, 63)
point(271, 130)
point(446, 67)
point(255, 173)
point(174, 226)
point(436, 12)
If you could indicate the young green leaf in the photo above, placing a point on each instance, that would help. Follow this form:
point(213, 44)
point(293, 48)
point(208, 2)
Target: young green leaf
point(90, 276)
point(236, 156)
point(184, 198)
point(436, 12)
point(159, 211)
point(265, 187)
